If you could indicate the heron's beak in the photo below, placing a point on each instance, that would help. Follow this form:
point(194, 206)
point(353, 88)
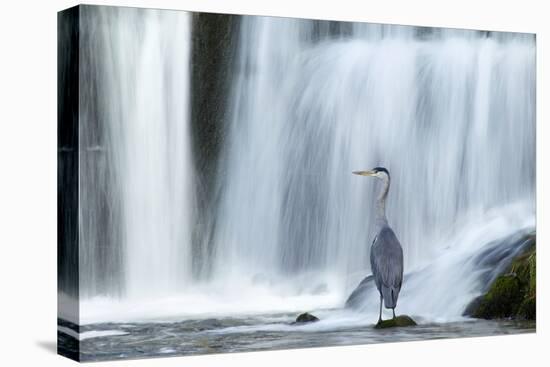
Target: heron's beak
point(364, 173)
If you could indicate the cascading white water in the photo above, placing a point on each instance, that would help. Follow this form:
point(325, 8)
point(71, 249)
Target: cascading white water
point(155, 162)
point(449, 113)
point(141, 59)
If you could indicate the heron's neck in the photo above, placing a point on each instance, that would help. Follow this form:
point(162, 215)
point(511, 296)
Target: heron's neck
point(381, 219)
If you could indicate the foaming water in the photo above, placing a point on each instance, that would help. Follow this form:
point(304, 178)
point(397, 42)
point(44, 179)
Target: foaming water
point(218, 300)
point(437, 290)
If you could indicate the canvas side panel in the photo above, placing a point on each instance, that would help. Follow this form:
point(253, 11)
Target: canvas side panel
point(67, 181)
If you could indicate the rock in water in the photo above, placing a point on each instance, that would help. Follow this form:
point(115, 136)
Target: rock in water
point(473, 306)
point(305, 318)
point(360, 293)
point(399, 321)
point(502, 300)
point(511, 295)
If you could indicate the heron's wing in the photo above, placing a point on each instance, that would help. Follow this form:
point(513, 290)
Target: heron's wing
point(387, 259)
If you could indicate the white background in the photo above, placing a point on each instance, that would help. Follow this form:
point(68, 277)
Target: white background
point(28, 181)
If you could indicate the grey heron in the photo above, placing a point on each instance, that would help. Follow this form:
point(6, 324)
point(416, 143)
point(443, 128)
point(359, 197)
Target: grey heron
point(386, 255)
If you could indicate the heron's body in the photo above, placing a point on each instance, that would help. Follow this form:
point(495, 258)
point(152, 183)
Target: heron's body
point(386, 260)
point(386, 255)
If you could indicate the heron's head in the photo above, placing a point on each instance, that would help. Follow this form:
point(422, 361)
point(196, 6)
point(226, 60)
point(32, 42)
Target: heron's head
point(378, 172)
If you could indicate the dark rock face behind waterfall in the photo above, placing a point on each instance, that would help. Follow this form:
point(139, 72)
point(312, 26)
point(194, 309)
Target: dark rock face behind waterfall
point(214, 38)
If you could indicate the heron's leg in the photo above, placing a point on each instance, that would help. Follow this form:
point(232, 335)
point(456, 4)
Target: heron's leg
point(380, 314)
point(393, 310)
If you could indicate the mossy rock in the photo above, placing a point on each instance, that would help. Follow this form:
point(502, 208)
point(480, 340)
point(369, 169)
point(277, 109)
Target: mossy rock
point(399, 321)
point(512, 295)
point(473, 306)
point(528, 309)
point(502, 300)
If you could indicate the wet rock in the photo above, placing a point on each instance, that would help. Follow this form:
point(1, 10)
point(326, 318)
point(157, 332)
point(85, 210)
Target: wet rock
point(399, 321)
point(511, 295)
point(528, 309)
point(356, 297)
point(305, 318)
point(472, 306)
point(365, 289)
point(502, 300)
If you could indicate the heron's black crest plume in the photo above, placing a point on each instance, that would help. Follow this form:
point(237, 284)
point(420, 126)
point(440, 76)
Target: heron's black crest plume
point(381, 169)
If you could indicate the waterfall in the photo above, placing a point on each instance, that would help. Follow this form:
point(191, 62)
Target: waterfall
point(450, 113)
point(136, 175)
